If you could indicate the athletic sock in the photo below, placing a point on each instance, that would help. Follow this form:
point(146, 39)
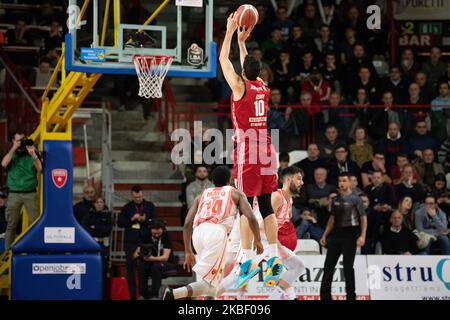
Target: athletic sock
point(179, 293)
point(247, 254)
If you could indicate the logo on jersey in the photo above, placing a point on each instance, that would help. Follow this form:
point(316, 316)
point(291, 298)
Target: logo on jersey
point(59, 177)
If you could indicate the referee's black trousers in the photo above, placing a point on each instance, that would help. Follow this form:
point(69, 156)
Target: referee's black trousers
point(343, 242)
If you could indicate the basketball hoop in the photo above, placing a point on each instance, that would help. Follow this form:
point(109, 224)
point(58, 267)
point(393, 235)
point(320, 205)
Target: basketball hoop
point(151, 71)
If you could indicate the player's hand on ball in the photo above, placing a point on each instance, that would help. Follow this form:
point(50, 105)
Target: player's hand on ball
point(323, 241)
point(258, 247)
point(231, 23)
point(243, 34)
point(189, 261)
point(360, 242)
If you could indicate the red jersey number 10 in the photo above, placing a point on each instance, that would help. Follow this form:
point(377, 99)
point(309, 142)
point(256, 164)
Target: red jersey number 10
point(259, 108)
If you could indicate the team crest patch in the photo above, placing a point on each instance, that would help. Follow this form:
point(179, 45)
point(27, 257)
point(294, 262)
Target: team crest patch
point(59, 177)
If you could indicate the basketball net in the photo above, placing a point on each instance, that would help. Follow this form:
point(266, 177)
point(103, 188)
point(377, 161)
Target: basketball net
point(151, 71)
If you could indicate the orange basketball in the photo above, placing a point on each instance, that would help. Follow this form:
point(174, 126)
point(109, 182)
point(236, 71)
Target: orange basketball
point(247, 16)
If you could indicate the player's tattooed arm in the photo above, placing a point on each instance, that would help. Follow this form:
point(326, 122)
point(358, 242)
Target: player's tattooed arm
point(233, 79)
point(246, 210)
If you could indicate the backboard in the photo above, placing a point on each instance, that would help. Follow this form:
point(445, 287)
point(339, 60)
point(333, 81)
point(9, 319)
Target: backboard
point(105, 34)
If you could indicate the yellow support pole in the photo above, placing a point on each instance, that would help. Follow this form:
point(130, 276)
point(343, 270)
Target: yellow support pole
point(82, 11)
point(105, 23)
point(116, 22)
point(155, 13)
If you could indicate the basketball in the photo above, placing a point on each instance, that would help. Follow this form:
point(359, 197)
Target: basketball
point(247, 16)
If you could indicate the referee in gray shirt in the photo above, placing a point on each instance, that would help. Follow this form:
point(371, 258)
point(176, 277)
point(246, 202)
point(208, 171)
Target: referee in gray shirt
point(349, 223)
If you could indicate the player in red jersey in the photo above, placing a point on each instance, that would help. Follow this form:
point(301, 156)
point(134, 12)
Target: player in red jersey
point(292, 178)
point(254, 163)
point(208, 224)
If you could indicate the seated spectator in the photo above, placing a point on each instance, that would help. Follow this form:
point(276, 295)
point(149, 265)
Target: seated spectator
point(283, 71)
point(405, 207)
point(53, 56)
point(346, 46)
point(382, 198)
point(327, 146)
point(19, 35)
point(365, 79)
point(418, 113)
point(320, 90)
point(440, 112)
point(332, 72)
point(396, 84)
point(54, 38)
point(377, 164)
point(446, 77)
point(324, 42)
point(283, 22)
point(47, 14)
point(441, 193)
point(432, 220)
point(427, 168)
point(272, 46)
point(309, 225)
point(82, 208)
point(299, 43)
point(305, 67)
point(396, 171)
point(338, 114)
point(355, 20)
point(43, 73)
point(361, 151)
point(298, 123)
point(197, 186)
point(425, 88)
point(134, 217)
point(409, 66)
point(283, 159)
point(23, 165)
point(310, 22)
point(317, 195)
point(421, 140)
point(398, 239)
point(310, 164)
point(98, 222)
point(341, 164)
point(393, 144)
point(360, 104)
point(409, 187)
point(155, 258)
point(354, 184)
point(266, 75)
point(360, 59)
point(434, 68)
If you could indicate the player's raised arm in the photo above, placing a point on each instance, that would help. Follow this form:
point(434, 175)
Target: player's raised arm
point(233, 79)
point(243, 35)
point(189, 259)
point(246, 210)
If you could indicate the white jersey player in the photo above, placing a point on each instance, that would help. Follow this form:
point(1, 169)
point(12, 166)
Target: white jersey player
point(208, 224)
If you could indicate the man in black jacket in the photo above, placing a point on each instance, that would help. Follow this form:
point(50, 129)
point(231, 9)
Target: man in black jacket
point(341, 163)
point(83, 207)
point(398, 239)
point(135, 215)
